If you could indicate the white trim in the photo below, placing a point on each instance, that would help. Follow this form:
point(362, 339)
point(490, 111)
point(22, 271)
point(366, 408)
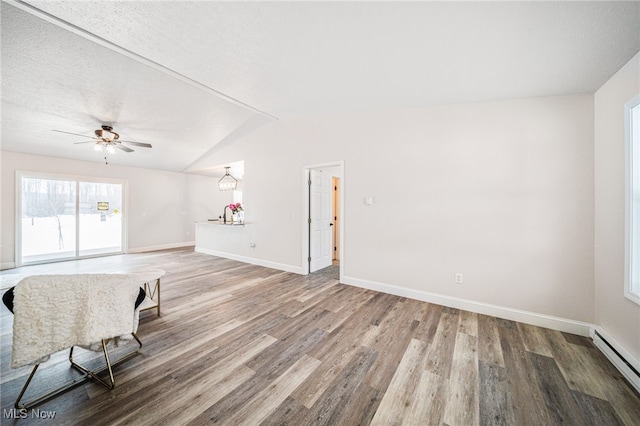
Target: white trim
point(17, 226)
point(7, 265)
point(614, 358)
point(540, 320)
point(125, 217)
point(252, 260)
point(161, 247)
point(628, 200)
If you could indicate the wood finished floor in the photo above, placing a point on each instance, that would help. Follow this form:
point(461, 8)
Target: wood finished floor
point(245, 345)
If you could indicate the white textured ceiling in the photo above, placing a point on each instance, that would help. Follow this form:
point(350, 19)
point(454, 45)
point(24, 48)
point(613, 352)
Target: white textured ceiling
point(186, 76)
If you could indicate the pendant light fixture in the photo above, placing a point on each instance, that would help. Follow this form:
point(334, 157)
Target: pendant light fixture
point(227, 182)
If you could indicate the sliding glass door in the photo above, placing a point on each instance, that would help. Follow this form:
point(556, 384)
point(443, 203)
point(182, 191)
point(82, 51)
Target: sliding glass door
point(100, 218)
point(48, 230)
point(66, 218)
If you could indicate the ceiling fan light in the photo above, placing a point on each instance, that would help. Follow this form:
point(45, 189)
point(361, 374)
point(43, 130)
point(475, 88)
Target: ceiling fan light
point(111, 149)
point(227, 182)
point(98, 146)
point(227, 186)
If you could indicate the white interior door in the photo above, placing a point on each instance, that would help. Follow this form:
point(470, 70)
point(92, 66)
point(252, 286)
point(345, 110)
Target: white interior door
point(320, 209)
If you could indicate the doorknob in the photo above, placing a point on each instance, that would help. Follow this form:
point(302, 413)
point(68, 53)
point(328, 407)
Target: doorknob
point(331, 224)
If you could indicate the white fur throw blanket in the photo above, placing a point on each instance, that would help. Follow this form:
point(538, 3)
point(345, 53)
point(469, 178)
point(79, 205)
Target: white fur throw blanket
point(55, 312)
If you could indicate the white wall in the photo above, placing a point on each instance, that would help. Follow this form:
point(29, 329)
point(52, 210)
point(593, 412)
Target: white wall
point(500, 191)
point(162, 205)
point(618, 316)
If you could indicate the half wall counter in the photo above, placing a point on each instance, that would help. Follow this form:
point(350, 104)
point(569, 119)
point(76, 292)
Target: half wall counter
point(224, 240)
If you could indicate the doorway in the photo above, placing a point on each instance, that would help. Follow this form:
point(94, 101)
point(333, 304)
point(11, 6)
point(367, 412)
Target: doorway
point(323, 227)
point(62, 218)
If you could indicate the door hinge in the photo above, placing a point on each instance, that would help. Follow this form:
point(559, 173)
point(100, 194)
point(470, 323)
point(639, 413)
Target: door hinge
point(309, 221)
point(309, 259)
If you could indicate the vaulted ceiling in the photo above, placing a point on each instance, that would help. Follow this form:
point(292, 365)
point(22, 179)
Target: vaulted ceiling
point(188, 75)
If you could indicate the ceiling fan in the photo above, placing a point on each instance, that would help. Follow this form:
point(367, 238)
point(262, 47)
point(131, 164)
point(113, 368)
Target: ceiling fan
point(106, 139)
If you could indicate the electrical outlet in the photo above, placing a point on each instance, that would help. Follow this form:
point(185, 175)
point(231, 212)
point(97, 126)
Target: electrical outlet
point(458, 278)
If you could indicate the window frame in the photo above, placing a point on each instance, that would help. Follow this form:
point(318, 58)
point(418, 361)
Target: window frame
point(632, 206)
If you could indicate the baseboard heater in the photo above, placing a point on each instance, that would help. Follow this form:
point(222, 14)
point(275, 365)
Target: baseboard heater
point(621, 360)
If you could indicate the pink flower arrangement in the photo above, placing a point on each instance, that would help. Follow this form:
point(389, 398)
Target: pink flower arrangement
point(235, 208)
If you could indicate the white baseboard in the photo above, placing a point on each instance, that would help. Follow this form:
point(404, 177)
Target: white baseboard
point(541, 320)
point(618, 355)
point(7, 265)
point(161, 247)
point(251, 260)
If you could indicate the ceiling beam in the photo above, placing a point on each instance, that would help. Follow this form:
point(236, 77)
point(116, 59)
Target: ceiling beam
point(22, 5)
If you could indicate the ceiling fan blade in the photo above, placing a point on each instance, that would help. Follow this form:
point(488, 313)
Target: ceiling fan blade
point(75, 143)
point(122, 147)
point(142, 144)
point(69, 133)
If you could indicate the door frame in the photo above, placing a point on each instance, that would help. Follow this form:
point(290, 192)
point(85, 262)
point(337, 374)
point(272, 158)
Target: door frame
point(305, 227)
point(335, 235)
point(19, 174)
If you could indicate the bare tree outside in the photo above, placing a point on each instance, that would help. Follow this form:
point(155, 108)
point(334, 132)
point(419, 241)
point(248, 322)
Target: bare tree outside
point(54, 227)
